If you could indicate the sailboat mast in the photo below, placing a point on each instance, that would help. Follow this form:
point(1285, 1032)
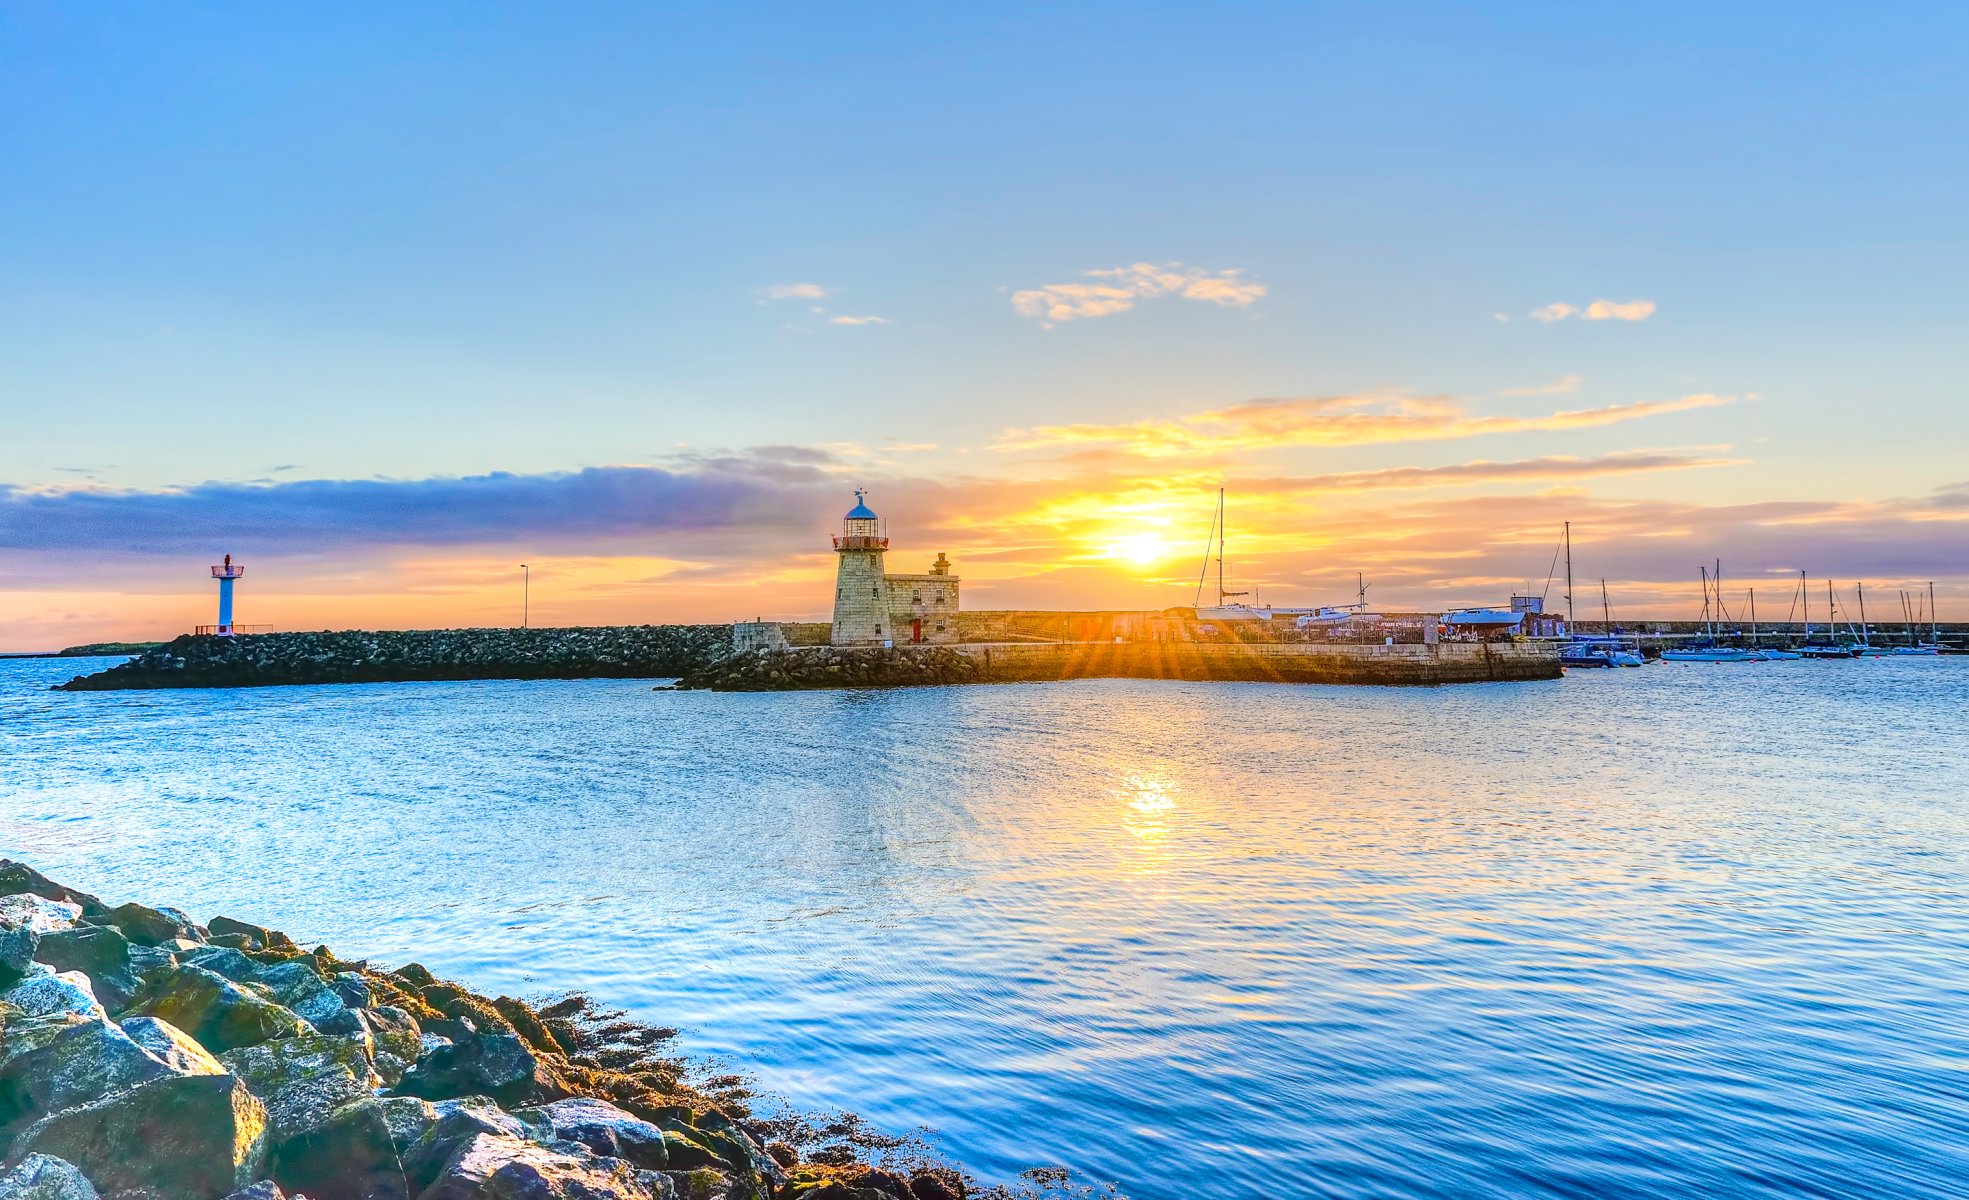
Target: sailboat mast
point(1934, 618)
point(1805, 598)
point(1219, 546)
point(1753, 616)
point(1860, 587)
point(1569, 617)
point(1606, 610)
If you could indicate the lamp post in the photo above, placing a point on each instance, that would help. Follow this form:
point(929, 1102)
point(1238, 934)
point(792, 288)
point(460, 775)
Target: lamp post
point(526, 594)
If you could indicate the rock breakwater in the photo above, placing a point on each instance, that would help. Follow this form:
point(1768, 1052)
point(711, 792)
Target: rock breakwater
point(358, 656)
point(145, 1056)
point(835, 667)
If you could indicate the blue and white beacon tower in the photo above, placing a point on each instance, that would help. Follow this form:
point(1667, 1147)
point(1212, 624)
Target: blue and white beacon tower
point(225, 573)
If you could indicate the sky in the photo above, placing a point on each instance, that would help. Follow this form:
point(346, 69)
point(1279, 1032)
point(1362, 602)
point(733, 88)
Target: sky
point(387, 300)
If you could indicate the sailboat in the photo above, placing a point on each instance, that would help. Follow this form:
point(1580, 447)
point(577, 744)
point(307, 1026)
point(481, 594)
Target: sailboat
point(1866, 648)
point(1223, 610)
point(1707, 650)
point(1934, 643)
point(1774, 653)
point(1826, 648)
point(1603, 651)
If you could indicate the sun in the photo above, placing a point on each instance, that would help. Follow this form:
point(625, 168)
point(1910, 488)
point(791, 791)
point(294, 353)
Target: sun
point(1141, 549)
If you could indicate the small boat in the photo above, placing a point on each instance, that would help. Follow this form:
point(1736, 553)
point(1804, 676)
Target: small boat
point(1598, 654)
point(1610, 651)
point(1711, 654)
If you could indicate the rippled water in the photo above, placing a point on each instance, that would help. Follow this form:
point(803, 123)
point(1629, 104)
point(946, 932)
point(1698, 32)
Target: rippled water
point(1687, 930)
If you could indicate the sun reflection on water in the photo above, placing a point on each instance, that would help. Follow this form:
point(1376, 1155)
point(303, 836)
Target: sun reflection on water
point(1147, 804)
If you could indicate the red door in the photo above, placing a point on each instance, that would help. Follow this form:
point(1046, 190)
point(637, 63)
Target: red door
point(916, 631)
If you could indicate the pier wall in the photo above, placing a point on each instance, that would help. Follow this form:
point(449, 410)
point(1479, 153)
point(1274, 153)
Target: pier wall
point(1035, 662)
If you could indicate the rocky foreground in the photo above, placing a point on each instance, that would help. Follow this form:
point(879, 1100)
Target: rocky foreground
point(144, 1056)
point(368, 656)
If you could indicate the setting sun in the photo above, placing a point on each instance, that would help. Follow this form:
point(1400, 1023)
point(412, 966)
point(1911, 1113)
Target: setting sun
point(1140, 549)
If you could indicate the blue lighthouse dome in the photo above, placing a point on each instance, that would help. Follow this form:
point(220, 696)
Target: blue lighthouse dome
point(861, 511)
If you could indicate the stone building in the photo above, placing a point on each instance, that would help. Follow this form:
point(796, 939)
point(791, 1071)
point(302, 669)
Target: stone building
point(872, 608)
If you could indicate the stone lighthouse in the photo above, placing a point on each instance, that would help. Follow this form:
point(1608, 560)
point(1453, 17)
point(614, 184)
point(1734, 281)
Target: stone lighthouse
point(876, 609)
point(861, 601)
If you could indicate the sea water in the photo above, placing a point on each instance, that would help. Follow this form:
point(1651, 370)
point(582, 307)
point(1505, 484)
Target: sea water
point(1676, 931)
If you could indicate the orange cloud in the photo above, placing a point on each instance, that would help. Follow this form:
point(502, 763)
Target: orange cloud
point(1332, 421)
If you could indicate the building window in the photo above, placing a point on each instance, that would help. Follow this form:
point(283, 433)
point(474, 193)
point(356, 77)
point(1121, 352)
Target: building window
point(916, 597)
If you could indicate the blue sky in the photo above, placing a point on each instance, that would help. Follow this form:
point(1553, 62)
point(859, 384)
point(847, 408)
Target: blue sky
point(243, 244)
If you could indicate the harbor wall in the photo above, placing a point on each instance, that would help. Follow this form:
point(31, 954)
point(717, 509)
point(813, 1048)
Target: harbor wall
point(1036, 662)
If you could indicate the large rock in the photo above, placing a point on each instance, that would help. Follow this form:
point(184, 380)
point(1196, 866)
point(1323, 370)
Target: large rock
point(301, 1080)
point(155, 926)
point(498, 1064)
point(39, 1177)
point(602, 1129)
point(19, 879)
point(296, 986)
point(191, 1137)
point(101, 953)
point(51, 1063)
point(172, 1046)
point(350, 1154)
point(226, 961)
point(258, 937)
point(39, 913)
point(428, 1138)
point(396, 1036)
point(221, 1014)
point(17, 948)
point(45, 992)
point(495, 1167)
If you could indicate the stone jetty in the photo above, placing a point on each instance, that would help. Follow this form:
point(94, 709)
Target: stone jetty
point(145, 1056)
point(359, 656)
point(1031, 662)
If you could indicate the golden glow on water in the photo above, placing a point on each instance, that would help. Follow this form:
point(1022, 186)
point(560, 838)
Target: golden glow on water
point(1147, 804)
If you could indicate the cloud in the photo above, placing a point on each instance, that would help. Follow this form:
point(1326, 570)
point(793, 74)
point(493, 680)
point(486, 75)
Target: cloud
point(1558, 387)
point(1116, 289)
point(1332, 421)
point(1552, 468)
point(858, 320)
point(774, 487)
point(1598, 310)
point(794, 291)
point(1614, 310)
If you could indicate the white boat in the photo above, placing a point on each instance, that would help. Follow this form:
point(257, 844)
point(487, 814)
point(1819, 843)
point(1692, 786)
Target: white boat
point(1226, 609)
point(1711, 654)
